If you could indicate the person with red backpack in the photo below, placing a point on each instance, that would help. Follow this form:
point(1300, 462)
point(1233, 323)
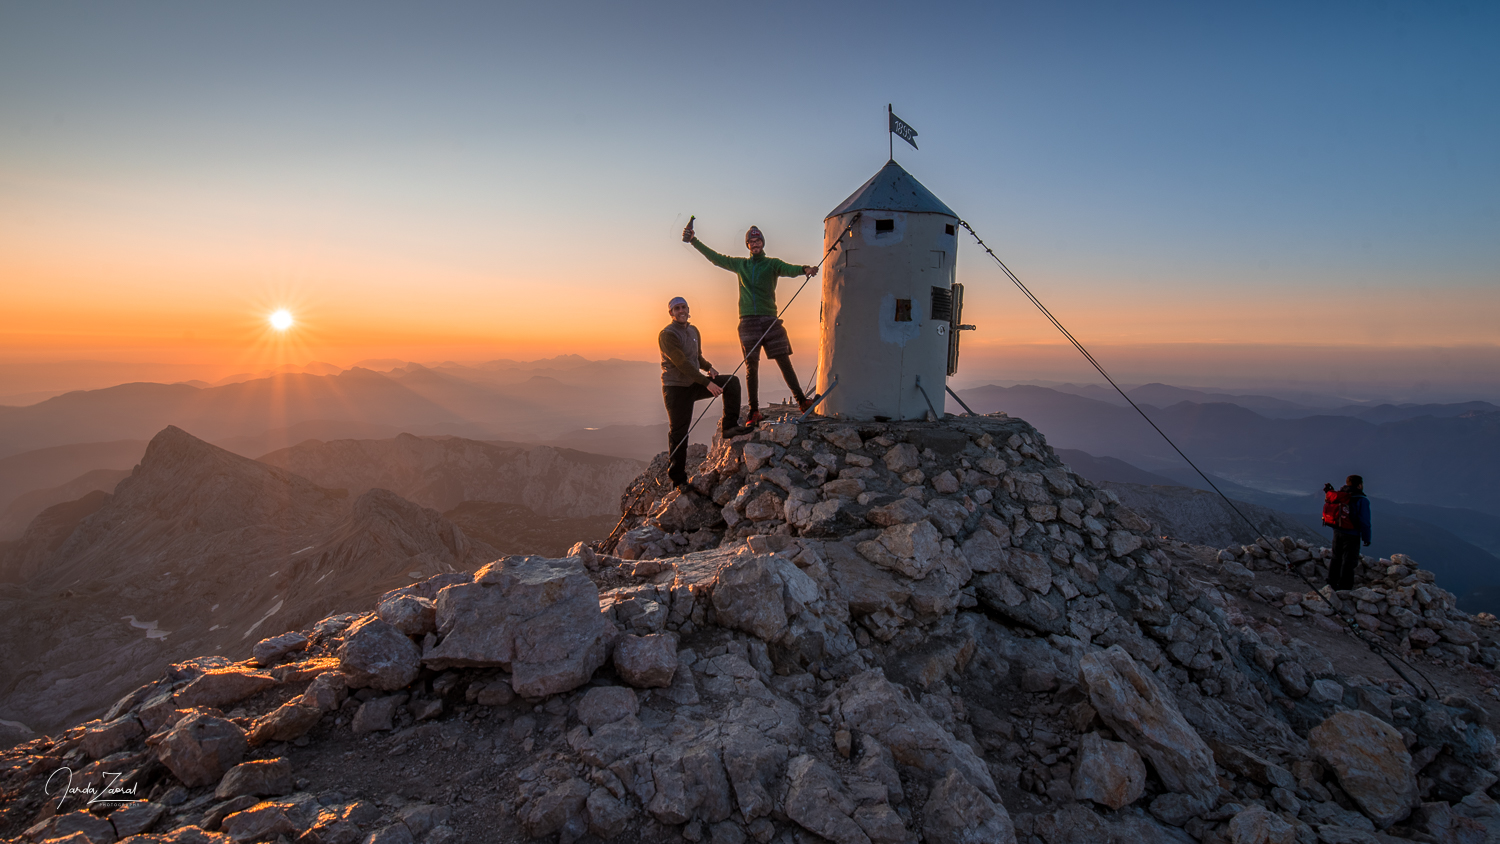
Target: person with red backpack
point(1347, 511)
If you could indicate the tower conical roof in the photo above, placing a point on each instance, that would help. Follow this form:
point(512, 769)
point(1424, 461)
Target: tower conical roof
point(892, 189)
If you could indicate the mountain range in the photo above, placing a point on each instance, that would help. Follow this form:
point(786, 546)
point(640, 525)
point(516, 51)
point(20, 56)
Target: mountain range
point(195, 553)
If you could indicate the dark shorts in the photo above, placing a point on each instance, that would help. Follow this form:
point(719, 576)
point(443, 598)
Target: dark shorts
point(776, 343)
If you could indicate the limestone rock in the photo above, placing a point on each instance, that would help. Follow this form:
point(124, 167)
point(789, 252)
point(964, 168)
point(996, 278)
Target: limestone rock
point(561, 809)
point(200, 748)
point(748, 597)
point(1110, 773)
point(286, 722)
point(606, 704)
point(136, 818)
point(899, 512)
point(377, 714)
point(103, 738)
point(1142, 713)
point(273, 650)
point(958, 813)
point(219, 689)
point(911, 549)
point(376, 655)
point(869, 703)
point(1257, 825)
point(263, 821)
point(817, 801)
point(646, 662)
point(1371, 762)
point(411, 614)
point(537, 618)
point(258, 778)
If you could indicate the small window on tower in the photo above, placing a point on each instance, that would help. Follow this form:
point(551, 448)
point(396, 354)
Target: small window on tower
point(903, 310)
point(948, 229)
point(885, 226)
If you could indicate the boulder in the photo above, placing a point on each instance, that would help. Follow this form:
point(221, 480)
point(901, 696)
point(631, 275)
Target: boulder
point(1371, 762)
point(606, 704)
point(646, 662)
point(257, 778)
point(899, 512)
point(687, 511)
point(221, 688)
point(262, 821)
point(869, 703)
point(377, 714)
point(200, 748)
point(376, 655)
point(561, 809)
point(273, 650)
point(1258, 825)
point(902, 457)
point(101, 738)
point(136, 818)
point(748, 597)
point(1109, 773)
point(817, 802)
point(536, 618)
point(911, 549)
point(411, 614)
point(958, 813)
point(286, 722)
point(1142, 713)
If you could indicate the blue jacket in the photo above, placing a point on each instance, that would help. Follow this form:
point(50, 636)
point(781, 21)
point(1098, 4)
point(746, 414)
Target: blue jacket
point(1360, 505)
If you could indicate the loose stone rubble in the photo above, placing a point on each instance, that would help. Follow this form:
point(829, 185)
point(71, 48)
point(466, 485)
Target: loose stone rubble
point(841, 632)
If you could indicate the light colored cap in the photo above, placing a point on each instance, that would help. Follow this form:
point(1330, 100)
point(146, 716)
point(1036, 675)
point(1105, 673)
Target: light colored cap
point(676, 300)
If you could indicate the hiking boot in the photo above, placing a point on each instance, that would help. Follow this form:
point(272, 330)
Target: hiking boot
point(754, 418)
point(733, 431)
point(804, 404)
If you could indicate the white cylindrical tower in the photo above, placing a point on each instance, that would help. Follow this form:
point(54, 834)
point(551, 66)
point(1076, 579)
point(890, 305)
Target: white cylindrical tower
point(888, 301)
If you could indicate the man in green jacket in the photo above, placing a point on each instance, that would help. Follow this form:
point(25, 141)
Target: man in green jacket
point(759, 327)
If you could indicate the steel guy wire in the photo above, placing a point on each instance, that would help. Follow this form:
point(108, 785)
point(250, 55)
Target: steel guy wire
point(1352, 624)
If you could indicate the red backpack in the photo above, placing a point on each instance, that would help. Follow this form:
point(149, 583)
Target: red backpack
point(1338, 509)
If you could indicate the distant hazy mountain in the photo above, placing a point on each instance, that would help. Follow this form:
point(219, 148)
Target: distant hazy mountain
point(515, 529)
point(442, 472)
point(1427, 459)
point(16, 515)
point(199, 551)
point(248, 408)
point(47, 468)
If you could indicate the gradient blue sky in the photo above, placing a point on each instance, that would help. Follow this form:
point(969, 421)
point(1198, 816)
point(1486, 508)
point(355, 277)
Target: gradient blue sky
point(484, 180)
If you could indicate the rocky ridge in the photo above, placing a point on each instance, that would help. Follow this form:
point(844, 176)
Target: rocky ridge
point(852, 633)
point(443, 472)
point(197, 552)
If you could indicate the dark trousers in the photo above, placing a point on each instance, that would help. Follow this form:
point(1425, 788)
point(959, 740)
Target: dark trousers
point(1345, 560)
point(752, 378)
point(679, 402)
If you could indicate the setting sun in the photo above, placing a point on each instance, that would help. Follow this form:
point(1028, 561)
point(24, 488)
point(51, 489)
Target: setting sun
point(281, 320)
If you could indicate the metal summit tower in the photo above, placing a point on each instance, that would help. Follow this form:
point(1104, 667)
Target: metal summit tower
point(891, 310)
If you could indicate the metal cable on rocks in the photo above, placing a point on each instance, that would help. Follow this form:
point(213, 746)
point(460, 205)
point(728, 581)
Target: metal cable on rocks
point(754, 350)
point(1375, 645)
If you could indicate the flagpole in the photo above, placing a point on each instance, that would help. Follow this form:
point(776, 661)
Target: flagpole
point(890, 141)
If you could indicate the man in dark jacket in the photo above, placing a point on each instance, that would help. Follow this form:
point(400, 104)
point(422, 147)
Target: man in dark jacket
point(1346, 539)
point(683, 381)
point(759, 327)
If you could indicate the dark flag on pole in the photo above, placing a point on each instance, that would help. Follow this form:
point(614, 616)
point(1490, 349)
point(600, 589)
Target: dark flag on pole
point(902, 128)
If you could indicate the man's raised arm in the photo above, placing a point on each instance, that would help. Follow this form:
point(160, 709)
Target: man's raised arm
point(723, 262)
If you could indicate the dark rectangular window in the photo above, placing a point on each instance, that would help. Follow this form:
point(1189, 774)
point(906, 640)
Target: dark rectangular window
point(903, 310)
point(948, 229)
point(885, 225)
point(942, 304)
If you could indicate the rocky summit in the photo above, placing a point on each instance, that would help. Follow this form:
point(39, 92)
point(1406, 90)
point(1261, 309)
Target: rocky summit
point(839, 632)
